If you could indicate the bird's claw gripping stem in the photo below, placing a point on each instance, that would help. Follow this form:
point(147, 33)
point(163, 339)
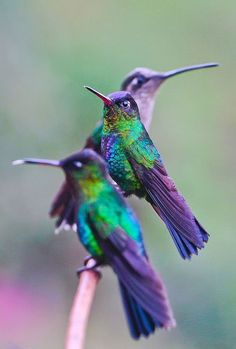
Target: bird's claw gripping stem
point(89, 264)
point(87, 259)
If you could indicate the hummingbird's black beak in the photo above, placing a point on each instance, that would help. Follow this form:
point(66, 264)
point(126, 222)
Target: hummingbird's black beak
point(169, 74)
point(107, 101)
point(44, 162)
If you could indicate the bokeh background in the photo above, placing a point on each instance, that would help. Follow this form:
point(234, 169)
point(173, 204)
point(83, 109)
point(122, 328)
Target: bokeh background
point(49, 50)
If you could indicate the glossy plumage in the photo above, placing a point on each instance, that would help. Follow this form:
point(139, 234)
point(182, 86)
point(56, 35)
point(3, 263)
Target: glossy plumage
point(143, 84)
point(110, 231)
point(136, 165)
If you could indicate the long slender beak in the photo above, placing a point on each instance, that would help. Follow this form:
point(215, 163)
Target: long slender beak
point(169, 74)
point(106, 100)
point(44, 162)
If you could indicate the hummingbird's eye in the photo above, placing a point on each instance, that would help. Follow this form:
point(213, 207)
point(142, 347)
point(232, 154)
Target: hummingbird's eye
point(125, 104)
point(139, 81)
point(78, 164)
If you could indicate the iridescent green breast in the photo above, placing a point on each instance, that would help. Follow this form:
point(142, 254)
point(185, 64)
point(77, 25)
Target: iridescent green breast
point(120, 169)
point(110, 212)
point(86, 234)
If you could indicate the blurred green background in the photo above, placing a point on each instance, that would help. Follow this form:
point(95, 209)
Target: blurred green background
point(49, 50)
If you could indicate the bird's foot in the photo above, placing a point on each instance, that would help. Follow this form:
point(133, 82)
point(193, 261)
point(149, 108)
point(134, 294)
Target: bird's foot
point(90, 264)
point(87, 259)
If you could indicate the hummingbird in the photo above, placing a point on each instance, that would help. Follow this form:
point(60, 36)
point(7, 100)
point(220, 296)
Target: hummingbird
point(143, 84)
point(109, 230)
point(136, 166)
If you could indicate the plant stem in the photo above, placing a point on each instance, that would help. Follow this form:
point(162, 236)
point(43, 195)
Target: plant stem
point(79, 316)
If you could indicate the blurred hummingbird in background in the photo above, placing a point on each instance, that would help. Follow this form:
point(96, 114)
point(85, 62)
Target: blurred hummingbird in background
point(109, 230)
point(143, 84)
point(136, 165)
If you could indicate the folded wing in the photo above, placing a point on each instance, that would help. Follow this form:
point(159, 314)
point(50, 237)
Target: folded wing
point(187, 233)
point(143, 292)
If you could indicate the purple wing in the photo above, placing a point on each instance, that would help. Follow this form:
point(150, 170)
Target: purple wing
point(143, 293)
point(187, 233)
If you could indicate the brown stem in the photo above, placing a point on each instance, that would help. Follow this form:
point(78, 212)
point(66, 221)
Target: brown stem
point(80, 311)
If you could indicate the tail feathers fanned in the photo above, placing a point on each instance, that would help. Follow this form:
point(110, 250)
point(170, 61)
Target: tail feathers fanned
point(139, 321)
point(144, 294)
point(185, 247)
point(204, 233)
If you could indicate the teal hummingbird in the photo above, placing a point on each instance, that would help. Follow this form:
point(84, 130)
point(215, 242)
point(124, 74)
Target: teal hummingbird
point(136, 165)
point(109, 230)
point(143, 84)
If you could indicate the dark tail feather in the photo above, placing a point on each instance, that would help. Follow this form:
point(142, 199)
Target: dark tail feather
point(171, 206)
point(185, 247)
point(139, 321)
point(143, 292)
point(204, 233)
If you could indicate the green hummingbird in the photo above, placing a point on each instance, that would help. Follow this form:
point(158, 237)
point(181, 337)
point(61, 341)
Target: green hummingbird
point(136, 165)
point(143, 84)
point(109, 230)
